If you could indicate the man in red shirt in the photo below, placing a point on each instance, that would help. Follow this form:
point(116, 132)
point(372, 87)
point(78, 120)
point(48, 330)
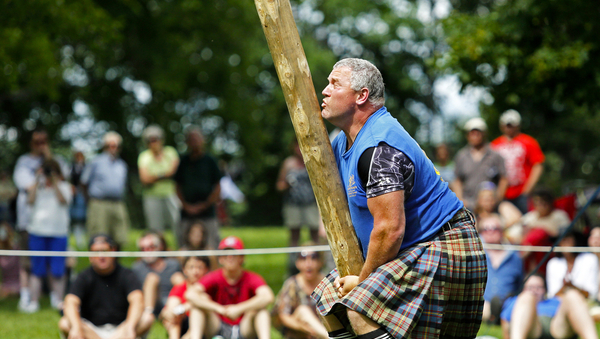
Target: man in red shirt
point(231, 301)
point(523, 159)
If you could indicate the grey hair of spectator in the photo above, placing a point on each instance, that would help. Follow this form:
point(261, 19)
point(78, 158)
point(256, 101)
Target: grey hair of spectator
point(153, 131)
point(365, 75)
point(193, 129)
point(112, 136)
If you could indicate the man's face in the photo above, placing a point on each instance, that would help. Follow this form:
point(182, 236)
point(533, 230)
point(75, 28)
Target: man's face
point(510, 130)
point(535, 285)
point(594, 239)
point(112, 147)
point(491, 230)
point(231, 262)
point(102, 265)
point(39, 143)
point(195, 142)
point(149, 243)
point(339, 100)
point(475, 137)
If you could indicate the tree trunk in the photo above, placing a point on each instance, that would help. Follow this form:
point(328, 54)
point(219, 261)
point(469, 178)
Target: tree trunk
point(294, 74)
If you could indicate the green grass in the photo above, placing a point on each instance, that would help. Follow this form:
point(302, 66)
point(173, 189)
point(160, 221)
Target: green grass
point(273, 267)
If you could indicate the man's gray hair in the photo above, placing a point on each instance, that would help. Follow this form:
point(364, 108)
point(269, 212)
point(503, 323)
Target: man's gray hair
point(153, 131)
point(112, 136)
point(365, 75)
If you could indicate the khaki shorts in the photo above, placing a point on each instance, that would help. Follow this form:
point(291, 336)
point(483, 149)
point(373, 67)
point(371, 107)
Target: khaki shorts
point(295, 216)
point(104, 331)
point(108, 217)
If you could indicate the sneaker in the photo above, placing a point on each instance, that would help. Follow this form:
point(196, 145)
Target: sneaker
point(32, 307)
point(55, 302)
point(23, 302)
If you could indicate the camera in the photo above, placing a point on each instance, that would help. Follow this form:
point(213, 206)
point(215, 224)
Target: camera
point(47, 171)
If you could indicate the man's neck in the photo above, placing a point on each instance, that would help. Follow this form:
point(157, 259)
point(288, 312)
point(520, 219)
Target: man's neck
point(196, 154)
point(107, 271)
point(158, 265)
point(359, 119)
point(233, 276)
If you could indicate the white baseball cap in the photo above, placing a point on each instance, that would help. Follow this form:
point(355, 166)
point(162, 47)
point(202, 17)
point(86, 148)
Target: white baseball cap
point(510, 117)
point(476, 123)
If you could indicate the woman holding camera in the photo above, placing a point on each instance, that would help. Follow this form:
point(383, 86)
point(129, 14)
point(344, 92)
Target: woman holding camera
point(49, 199)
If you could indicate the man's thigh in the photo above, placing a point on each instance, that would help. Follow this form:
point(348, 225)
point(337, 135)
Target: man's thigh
point(97, 218)
point(154, 211)
point(119, 222)
point(213, 325)
point(559, 326)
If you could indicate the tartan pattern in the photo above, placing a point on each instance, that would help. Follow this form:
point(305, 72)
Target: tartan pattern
point(431, 290)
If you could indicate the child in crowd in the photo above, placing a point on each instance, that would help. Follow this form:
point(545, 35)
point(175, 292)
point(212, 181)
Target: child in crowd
point(295, 313)
point(175, 314)
point(9, 265)
point(50, 197)
point(195, 240)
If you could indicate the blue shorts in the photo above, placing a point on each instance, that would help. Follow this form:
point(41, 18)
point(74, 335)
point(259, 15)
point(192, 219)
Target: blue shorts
point(39, 265)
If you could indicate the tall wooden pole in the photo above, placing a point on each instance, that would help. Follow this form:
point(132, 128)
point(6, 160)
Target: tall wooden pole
point(294, 74)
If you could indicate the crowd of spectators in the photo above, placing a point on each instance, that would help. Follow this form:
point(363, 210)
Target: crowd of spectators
point(194, 297)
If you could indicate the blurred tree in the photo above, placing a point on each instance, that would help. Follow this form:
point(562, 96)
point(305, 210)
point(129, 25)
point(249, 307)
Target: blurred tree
point(536, 57)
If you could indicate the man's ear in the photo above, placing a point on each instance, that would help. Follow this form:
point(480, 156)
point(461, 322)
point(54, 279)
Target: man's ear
point(363, 96)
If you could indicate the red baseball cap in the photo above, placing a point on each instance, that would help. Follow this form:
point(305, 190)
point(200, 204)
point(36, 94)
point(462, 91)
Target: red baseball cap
point(231, 242)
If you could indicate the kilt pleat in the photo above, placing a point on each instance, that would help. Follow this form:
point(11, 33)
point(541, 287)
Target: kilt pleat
point(431, 290)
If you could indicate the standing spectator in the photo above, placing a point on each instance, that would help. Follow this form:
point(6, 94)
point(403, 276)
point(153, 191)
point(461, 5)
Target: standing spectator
point(8, 192)
point(156, 166)
point(443, 163)
point(105, 180)
point(572, 269)
point(230, 301)
point(50, 197)
point(299, 204)
point(198, 187)
point(24, 176)
point(9, 265)
point(157, 274)
point(295, 312)
point(505, 269)
point(523, 159)
point(105, 301)
point(79, 206)
point(176, 311)
point(477, 163)
point(531, 315)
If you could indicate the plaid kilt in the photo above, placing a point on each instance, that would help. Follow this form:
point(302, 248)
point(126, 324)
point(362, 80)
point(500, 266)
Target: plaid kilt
point(433, 289)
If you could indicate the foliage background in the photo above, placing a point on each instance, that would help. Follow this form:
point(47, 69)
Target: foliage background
point(82, 68)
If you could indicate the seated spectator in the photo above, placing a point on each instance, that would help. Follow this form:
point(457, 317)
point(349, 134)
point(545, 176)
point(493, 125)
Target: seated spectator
point(537, 227)
point(48, 229)
point(105, 301)
point(158, 276)
point(196, 241)
point(231, 301)
point(444, 163)
point(295, 312)
point(573, 270)
point(594, 242)
point(175, 314)
point(505, 269)
point(530, 315)
point(9, 265)
point(487, 204)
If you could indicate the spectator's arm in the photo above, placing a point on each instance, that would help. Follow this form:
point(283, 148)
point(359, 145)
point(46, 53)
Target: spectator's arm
point(510, 213)
point(282, 183)
point(145, 177)
point(167, 312)
point(32, 193)
point(534, 176)
point(457, 187)
point(59, 194)
point(502, 186)
point(23, 177)
point(213, 198)
point(136, 308)
point(197, 297)
point(71, 312)
point(263, 297)
point(171, 172)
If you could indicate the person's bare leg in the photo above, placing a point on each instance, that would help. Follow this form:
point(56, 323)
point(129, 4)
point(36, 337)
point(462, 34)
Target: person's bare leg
point(306, 315)
point(331, 323)
point(35, 287)
point(65, 327)
point(256, 324)
point(487, 311)
point(173, 328)
point(361, 324)
point(572, 316)
point(58, 286)
point(294, 237)
point(524, 322)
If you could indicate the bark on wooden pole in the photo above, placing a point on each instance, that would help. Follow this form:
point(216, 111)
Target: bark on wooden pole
point(294, 75)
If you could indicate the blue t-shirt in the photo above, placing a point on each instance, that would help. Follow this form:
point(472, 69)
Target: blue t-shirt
point(545, 308)
point(505, 280)
point(431, 203)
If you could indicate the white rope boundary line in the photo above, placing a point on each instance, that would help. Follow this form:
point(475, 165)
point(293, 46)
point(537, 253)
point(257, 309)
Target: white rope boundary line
point(256, 251)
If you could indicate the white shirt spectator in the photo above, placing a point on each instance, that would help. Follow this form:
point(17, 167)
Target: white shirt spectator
point(50, 218)
point(584, 274)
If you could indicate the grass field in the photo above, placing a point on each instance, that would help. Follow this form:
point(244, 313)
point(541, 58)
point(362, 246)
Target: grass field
point(42, 325)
